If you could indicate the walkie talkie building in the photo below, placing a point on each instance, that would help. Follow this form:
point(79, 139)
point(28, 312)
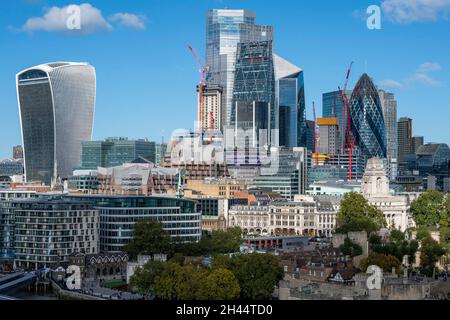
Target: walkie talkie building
point(56, 108)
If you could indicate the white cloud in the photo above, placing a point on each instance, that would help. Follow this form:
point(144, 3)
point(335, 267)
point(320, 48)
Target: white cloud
point(420, 76)
point(55, 20)
point(129, 20)
point(409, 11)
point(429, 66)
point(425, 79)
point(390, 84)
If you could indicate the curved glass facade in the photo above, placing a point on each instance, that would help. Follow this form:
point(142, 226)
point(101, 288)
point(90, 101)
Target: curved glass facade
point(56, 105)
point(367, 121)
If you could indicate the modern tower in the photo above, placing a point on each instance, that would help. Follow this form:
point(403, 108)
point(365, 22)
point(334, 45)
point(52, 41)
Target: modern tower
point(254, 93)
point(56, 108)
point(290, 102)
point(367, 121)
point(405, 144)
point(389, 105)
point(225, 29)
point(332, 108)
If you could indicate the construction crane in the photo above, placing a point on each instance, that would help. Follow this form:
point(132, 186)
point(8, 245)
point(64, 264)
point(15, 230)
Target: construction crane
point(316, 137)
point(202, 69)
point(349, 143)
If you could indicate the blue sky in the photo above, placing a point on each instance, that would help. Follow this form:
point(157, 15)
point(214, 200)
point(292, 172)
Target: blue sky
point(146, 77)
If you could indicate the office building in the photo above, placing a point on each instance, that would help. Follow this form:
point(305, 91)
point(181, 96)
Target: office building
point(118, 214)
point(405, 144)
point(225, 29)
point(83, 181)
point(56, 107)
point(288, 175)
point(367, 121)
point(215, 188)
point(47, 231)
point(11, 167)
point(136, 179)
point(389, 105)
point(160, 152)
point(254, 110)
point(416, 143)
point(211, 108)
point(7, 219)
point(290, 101)
point(115, 152)
point(307, 216)
point(332, 108)
point(328, 136)
point(17, 152)
point(310, 144)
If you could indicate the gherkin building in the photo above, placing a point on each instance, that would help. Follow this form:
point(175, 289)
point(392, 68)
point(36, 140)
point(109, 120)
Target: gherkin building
point(367, 122)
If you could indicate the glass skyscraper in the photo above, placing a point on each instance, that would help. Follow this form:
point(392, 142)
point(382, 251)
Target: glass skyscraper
point(290, 102)
point(114, 152)
point(367, 121)
point(332, 108)
point(56, 108)
point(254, 91)
point(225, 29)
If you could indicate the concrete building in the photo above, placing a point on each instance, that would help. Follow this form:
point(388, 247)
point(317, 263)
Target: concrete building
point(56, 108)
point(136, 179)
point(334, 188)
point(7, 219)
point(214, 188)
point(329, 136)
point(375, 187)
point(211, 108)
point(305, 216)
point(47, 231)
point(17, 152)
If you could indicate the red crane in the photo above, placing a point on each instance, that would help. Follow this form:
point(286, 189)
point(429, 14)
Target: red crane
point(316, 137)
point(349, 143)
point(202, 69)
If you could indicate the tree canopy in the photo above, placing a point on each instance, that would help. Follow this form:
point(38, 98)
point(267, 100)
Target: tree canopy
point(350, 248)
point(431, 209)
point(385, 262)
point(149, 238)
point(356, 214)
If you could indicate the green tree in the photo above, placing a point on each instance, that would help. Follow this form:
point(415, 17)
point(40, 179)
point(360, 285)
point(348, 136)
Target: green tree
point(220, 284)
point(148, 238)
point(144, 278)
point(350, 248)
point(429, 209)
point(356, 214)
point(257, 274)
point(430, 252)
point(180, 282)
point(385, 262)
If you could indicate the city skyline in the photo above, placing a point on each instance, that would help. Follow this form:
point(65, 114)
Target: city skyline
point(132, 103)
